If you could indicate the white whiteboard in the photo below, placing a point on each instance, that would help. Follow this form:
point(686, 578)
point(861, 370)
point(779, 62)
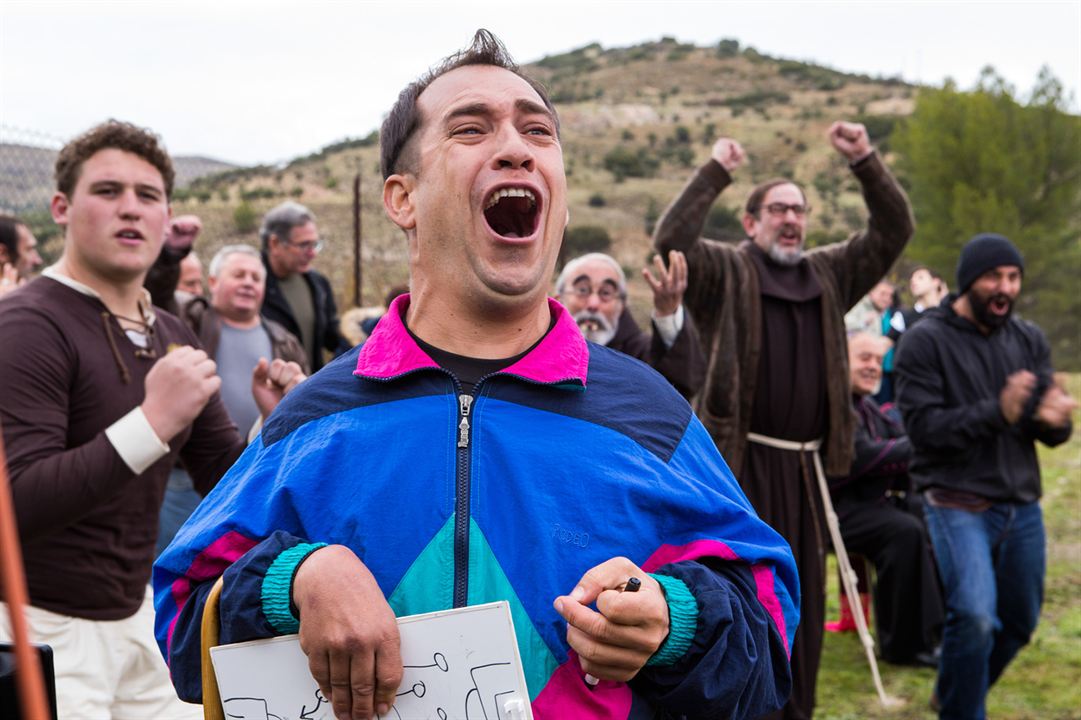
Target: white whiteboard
point(459, 664)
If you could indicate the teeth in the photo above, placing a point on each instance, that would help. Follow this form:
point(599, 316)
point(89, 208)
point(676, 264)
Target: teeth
point(510, 192)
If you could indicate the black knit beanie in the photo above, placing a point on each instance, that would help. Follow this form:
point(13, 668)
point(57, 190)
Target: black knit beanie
point(985, 252)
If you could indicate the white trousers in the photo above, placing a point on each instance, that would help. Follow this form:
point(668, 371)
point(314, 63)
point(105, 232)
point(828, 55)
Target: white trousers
point(106, 669)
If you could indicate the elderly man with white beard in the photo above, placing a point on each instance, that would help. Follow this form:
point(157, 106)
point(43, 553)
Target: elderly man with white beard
point(593, 287)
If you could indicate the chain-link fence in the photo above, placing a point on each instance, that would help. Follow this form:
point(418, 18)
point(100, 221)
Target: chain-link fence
point(231, 201)
point(26, 182)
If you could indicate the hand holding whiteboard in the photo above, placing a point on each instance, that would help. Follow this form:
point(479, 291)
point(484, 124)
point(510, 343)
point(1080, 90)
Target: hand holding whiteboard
point(458, 664)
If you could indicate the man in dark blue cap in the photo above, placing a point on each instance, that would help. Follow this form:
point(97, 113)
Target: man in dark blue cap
point(976, 389)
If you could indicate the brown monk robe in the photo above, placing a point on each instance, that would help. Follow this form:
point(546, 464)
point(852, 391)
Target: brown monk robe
point(790, 404)
point(778, 361)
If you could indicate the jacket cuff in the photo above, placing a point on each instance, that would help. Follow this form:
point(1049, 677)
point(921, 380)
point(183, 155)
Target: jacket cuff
point(668, 327)
point(682, 621)
point(135, 441)
point(277, 588)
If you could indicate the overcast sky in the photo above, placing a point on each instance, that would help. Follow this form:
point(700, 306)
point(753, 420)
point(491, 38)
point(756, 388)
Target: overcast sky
point(266, 81)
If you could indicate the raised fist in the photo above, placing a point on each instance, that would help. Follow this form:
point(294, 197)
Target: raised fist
point(729, 154)
point(851, 140)
point(177, 389)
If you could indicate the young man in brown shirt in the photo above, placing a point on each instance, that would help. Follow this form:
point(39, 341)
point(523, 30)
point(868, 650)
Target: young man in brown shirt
point(101, 395)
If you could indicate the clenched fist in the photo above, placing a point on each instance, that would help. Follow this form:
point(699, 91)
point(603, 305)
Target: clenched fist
point(177, 389)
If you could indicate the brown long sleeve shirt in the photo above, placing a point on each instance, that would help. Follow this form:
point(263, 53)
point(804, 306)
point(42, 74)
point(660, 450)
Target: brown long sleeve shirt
point(87, 521)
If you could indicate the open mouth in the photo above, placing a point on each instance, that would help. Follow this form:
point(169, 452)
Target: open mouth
point(512, 212)
point(790, 234)
point(130, 235)
point(1000, 305)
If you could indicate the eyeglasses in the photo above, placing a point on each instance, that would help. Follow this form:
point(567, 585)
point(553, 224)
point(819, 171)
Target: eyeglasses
point(781, 209)
point(307, 245)
point(607, 293)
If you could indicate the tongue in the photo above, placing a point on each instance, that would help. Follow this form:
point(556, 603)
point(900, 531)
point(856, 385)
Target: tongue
point(511, 234)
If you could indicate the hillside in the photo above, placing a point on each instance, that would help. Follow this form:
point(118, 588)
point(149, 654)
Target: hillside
point(26, 175)
point(635, 122)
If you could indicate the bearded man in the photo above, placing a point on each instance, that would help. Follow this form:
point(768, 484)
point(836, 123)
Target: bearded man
point(976, 388)
point(593, 287)
point(772, 317)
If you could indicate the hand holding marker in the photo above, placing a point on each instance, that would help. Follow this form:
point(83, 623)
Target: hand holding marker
point(633, 585)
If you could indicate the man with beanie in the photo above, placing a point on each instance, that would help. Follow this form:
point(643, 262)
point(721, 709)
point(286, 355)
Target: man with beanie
point(976, 390)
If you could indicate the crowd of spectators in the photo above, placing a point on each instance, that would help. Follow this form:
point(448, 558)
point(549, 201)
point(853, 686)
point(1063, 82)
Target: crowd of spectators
point(130, 385)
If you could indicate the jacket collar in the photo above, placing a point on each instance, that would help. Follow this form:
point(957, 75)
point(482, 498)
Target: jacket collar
point(561, 357)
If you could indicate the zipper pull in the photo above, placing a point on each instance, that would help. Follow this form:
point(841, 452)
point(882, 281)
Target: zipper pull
point(464, 402)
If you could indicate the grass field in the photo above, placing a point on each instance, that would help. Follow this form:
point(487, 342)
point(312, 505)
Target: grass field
point(1044, 681)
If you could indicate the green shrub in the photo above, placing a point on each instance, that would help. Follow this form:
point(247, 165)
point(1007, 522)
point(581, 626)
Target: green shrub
point(244, 218)
point(624, 162)
point(728, 48)
point(582, 239)
point(723, 223)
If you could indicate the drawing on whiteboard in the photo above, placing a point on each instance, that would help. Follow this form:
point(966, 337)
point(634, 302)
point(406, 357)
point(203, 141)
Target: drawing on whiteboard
point(246, 708)
point(490, 683)
point(243, 708)
point(457, 665)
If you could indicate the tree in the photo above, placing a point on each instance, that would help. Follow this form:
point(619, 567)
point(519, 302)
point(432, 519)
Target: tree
point(985, 161)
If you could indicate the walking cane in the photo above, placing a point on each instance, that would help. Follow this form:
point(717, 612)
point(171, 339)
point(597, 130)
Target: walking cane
point(30, 684)
point(848, 580)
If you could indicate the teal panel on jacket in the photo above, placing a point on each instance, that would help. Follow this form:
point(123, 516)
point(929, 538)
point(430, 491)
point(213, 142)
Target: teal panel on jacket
point(488, 583)
point(428, 585)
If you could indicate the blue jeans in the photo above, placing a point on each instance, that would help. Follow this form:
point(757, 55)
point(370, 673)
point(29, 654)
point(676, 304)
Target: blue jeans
point(992, 567)
point(180, 501)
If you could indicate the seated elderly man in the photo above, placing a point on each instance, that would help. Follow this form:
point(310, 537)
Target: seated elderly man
point(878, 522)
point(593, 288)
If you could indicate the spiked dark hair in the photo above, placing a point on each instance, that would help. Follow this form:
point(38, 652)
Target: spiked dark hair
point(404, 119)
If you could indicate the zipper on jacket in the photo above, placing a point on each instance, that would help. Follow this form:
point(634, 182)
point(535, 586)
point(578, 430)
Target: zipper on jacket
point(461, 504)
point(464, 403)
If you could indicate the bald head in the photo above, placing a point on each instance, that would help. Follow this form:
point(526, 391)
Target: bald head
point(865, 354)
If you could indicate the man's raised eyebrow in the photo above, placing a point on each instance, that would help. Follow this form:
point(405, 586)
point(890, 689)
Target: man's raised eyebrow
point(153, 188)
point(477, 108)
point(534, 108)
point(528, 107)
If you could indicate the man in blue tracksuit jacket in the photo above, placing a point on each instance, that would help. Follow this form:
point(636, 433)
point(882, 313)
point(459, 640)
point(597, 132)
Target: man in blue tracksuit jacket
point(475, 449)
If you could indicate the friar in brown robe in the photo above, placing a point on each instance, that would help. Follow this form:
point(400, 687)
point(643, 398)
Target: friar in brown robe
point(771, 318)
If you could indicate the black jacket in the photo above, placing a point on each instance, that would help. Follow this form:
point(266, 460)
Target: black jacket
point(327, 332)
point(880, 463)
point(949, 376)
point(683, 364)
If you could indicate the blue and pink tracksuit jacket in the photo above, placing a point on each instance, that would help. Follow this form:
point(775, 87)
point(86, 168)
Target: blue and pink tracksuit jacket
point(571, 456)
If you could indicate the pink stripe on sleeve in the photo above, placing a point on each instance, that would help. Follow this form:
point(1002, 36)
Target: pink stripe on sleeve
point(210, 563)
point(763, 575)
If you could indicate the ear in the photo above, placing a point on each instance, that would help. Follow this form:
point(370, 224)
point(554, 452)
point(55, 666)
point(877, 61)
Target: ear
point(4, 258)
point(58, 206)
point(750, 225)
point(398, 200)
point(212, 282)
